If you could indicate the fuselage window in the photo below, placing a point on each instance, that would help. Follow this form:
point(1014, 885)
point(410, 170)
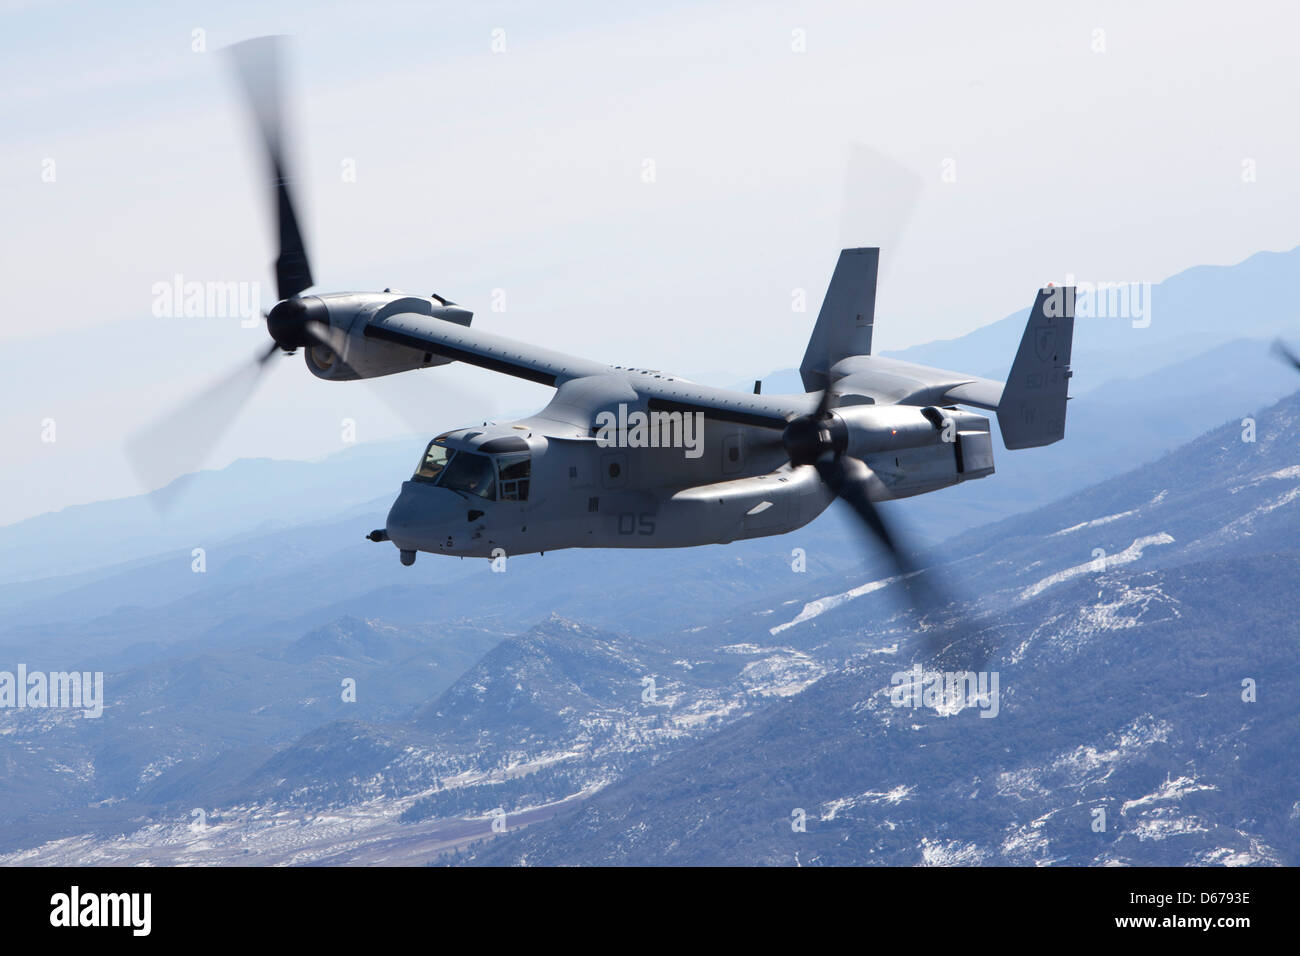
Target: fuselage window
point(513, 472)
point(432, 464)
point(471, 472)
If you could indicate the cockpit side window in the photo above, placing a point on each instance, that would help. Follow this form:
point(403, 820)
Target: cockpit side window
point(432, 464)
point(470, 472)
point(513, 473)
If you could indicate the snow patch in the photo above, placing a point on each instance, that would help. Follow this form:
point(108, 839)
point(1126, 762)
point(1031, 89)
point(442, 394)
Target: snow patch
point(950, 853)
point(813, 608)
point(1097, 522)
point(891, 797)
point(1169, 790)
point(1127, 556)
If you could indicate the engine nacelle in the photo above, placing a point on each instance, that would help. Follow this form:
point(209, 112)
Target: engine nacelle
point(914, 450)
point(349, 313)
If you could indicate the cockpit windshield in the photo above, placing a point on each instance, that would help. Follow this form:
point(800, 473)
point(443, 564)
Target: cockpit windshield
point(471, 472)
point(432, 464)
point(489, 476)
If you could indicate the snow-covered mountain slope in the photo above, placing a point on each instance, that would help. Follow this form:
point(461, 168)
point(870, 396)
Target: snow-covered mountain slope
point(1125, 697)
point(1143, 632)
point(1121, 620)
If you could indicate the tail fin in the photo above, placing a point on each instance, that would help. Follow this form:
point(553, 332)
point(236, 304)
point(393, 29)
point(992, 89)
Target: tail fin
point(1031, 411)
point(848, 314)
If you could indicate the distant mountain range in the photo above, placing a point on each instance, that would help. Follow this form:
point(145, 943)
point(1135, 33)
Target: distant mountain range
point(1127, 700)
point(1202, 359)
point(1122, 621)
point(1187, 315)
point(678, 707)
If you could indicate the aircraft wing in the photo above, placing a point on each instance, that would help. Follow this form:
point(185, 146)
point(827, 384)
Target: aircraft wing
point(1030, 404)
point(663, 392)
point(487, 350)
point(764, 411)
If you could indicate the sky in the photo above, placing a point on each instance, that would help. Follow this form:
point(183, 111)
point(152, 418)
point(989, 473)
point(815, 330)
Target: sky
point(657, 186)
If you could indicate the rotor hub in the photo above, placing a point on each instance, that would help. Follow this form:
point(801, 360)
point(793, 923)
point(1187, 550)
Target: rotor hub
point(807, 439)
point(288, 322)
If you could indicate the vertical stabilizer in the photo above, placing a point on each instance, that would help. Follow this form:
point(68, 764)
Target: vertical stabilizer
point(847, 317)
point(1031, 411)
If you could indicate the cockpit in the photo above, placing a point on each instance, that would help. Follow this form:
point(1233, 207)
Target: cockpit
point(495, 477)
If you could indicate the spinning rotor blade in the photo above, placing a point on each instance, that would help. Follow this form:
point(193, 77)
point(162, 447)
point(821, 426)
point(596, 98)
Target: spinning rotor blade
point(951, 640)
point(1280, 349)
point(854, 493)
point(178, 442)
point(879, 199)
point(258, 64)
point(405, 394)
point(810, 440)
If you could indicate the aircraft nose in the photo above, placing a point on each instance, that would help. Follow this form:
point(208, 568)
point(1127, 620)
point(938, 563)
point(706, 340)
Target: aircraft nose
point(423, 516)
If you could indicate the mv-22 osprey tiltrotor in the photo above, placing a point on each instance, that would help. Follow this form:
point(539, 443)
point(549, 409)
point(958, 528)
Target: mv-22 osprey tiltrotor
point(625, 457)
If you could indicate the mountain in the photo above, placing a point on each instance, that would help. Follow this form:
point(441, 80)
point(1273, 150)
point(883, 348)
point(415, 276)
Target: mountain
point(552, 713)
point(1188, 314)
point(274, 586)
point(561, 693)
point(1126, 423)
point(1122, 675)
point(174, 729)
point(1130, 704)
point(1121, 621)
point(271, 583)
point(249, 496)
point(521, 692)
point(1203, 350)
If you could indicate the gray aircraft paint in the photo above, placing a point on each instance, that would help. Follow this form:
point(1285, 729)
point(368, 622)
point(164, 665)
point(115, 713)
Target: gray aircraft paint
point(866, 429)
point(901, 422)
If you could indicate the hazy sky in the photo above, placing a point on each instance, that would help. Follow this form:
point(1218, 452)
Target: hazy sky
point(1106, 140)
